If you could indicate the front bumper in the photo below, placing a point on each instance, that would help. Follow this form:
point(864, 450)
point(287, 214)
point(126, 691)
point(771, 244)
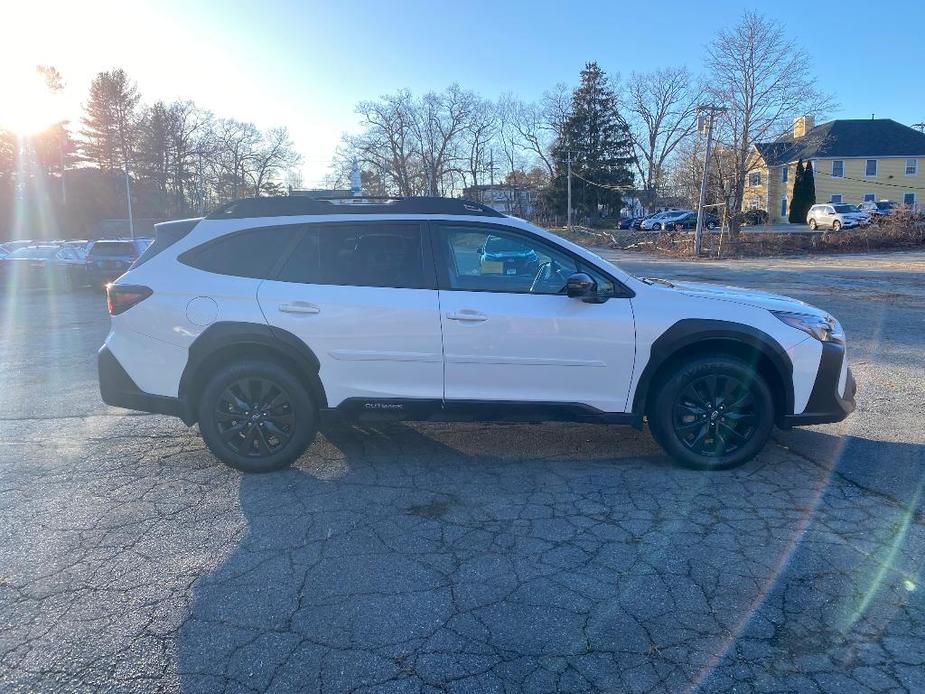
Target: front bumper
point(119, 390)
point(826, 405)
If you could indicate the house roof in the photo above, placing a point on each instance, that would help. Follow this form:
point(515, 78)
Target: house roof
point(880, 137)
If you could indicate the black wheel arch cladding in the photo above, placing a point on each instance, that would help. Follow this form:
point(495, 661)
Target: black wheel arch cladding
point(689, 332)
point(227, 335)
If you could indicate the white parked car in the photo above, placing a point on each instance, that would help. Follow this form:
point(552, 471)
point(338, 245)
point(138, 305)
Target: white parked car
point(835, 216)
point(272, 314)
point(663, 220)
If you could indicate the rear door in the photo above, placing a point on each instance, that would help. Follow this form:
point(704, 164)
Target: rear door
point(362, 296)
point(510, 334)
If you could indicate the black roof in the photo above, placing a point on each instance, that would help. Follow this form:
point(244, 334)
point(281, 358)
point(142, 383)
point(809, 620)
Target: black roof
point(295, 205)
point(881, 137)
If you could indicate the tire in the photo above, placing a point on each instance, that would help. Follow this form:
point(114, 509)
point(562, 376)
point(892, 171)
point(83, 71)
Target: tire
point(265, 437)
point(836, 225)
point(656, 227)
point(812, 224)
point(704, 388)
point(678, 227)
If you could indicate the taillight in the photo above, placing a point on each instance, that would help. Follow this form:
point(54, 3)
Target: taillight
point(121, 297)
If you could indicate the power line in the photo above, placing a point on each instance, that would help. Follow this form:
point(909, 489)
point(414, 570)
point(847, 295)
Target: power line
point(623, 189)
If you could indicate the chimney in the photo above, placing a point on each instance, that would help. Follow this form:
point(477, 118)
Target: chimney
point(803, 125)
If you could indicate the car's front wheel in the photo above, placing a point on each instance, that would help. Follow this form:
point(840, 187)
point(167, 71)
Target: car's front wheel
point(256, 416)
point(712, 413)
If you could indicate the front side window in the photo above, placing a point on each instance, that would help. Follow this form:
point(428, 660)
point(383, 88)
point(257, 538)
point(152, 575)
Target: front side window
point(373, 254)
point(251, 253)
point(493, 260)
point(912, 167)
point(838, 168)
point(870, 168)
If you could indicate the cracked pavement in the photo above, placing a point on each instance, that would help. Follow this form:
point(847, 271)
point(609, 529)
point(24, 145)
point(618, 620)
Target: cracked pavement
point(465, 557)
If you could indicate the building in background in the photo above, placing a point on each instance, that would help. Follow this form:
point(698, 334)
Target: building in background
point(853, 161)
point(517, 201)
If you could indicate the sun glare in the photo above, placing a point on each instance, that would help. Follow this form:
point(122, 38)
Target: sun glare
point(28, 106)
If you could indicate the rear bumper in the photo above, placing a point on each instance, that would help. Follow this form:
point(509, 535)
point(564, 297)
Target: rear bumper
point(119, 390)
point(826, 405)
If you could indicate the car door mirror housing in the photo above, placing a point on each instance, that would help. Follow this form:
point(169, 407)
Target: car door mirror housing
point(580, 285)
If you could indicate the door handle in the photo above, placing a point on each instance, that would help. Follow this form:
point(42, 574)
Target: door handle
point(467, 316)
point(299, 307)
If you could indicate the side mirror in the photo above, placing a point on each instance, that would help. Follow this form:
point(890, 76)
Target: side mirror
point(580, 286)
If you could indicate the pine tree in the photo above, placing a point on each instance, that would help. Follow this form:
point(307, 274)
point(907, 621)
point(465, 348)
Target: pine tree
point(796, 197)
point(600, 146)
point(110, 123)
point(809, 187)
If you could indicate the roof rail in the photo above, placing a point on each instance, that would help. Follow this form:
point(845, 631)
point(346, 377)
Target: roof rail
point(295, 205)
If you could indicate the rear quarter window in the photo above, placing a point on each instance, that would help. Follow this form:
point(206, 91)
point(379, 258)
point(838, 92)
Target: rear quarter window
point(254, 253)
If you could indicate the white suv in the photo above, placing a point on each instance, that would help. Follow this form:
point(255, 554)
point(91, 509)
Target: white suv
point(836, 216)
point(272, 314)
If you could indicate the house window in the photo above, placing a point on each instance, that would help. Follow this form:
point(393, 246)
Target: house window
point(783, 206)
point(754, 179)
point(838, 168)
point(836, 198)
point(870, 197)
point(912, 167)
point(784, 173)
point(754, 203)
point(870, 169)
point(909, 199)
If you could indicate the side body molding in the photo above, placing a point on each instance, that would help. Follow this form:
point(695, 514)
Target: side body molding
point(692, 331)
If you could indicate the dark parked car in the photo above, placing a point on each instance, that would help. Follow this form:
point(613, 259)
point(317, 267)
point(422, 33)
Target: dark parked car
point(754, 217)
point(630, 222)
point(689, 221)
point(109, 259)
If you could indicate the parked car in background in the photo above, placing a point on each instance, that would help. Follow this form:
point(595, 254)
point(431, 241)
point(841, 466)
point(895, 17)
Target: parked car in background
point(835, 216)
point(878, 209)
point(507, 256)
point(50, 266)
point(11, 246)
point(663, 220)
point(107, 259)
point(754, 217)
point(689, 221)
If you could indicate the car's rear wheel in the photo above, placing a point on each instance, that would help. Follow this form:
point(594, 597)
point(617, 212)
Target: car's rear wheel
point(256, 416)
point(836, 225)
point(712, 413)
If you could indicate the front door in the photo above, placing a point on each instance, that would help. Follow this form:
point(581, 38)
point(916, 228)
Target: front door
point(362, 296)
point(510, 334)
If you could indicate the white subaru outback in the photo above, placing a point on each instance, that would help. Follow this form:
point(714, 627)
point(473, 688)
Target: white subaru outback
point(271, 314)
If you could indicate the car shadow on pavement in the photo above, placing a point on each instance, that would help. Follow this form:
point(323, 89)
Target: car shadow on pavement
point(397, 556)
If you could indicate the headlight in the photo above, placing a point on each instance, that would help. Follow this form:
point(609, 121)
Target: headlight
point(823, 328)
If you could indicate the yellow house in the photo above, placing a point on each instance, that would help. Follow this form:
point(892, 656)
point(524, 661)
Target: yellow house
point(853, 161)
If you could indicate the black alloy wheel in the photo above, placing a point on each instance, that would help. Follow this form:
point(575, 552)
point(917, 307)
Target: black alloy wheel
point(254, 417)
point(714, 415)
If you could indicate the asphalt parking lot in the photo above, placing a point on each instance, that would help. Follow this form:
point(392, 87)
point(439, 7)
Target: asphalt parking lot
point(466, 557)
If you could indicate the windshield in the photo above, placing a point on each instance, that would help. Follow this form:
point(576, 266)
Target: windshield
point(34, 252)
point(842, 209)
point(884, 205)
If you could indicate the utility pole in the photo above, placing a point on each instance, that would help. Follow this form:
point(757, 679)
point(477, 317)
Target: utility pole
point(568, 212)
point(706, 122)
point(128, 199)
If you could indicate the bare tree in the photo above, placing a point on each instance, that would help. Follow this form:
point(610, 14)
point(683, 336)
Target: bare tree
point(764, 81)
point(440, 120)
point(660, 109)
point(478, 137)
point(273, 156)
point(386, 144)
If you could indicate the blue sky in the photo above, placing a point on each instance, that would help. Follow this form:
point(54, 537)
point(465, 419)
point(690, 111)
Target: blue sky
point(305, 64)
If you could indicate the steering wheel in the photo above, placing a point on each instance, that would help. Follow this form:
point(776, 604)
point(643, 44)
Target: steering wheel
point(547, 272)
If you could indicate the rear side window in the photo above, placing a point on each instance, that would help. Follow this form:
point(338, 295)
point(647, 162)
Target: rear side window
point(251, 253)
point(379, 254)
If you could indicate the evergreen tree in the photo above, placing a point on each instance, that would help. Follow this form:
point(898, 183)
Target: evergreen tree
point(110, 123)
point(796, 197)
point(600, 148)
point(809, 187)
